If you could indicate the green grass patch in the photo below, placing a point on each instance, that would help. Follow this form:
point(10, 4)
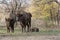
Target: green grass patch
point(19, 33)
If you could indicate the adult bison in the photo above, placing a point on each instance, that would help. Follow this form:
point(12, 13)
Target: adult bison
point(25, 20)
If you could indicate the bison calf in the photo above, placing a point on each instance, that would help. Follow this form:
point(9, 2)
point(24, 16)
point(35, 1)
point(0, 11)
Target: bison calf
point(34, 29)
point(10, 24)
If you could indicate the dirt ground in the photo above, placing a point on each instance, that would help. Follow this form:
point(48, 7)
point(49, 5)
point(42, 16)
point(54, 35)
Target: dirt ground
point(41, 37)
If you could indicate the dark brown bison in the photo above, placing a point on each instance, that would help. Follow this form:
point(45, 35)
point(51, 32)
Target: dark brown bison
point(25, 20)
point(10, 24)
point(10, 21)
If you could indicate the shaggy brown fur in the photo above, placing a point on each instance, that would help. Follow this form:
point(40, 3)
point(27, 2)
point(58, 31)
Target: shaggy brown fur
point(25, 20)
point(10, 24)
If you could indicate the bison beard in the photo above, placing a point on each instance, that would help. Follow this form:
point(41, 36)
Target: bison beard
point(25, 20)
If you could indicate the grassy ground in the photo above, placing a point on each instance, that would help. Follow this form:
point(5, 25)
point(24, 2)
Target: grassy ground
point(35, 23)
point(19, 33)
point(41, 35)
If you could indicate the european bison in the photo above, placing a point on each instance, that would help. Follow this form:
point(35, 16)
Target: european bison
point(10, 21)
point(10, 24)
point(25, 20)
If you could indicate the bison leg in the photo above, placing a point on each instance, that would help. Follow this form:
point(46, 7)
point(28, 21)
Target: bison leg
point(29, 24)
point(8, 26)
point(23, 27)
point(12, 25)
point(12, 28)
point(8, 29)
point(28, 28)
